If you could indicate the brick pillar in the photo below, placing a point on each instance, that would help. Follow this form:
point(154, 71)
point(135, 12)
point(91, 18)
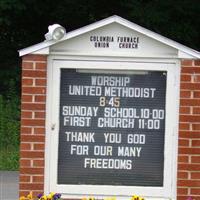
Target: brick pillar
point(189, 132)
point(33, 103)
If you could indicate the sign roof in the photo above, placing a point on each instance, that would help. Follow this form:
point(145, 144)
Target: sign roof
point(43, 47)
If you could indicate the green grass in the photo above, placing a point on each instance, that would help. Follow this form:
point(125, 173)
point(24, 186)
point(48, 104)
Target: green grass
point(9, 159)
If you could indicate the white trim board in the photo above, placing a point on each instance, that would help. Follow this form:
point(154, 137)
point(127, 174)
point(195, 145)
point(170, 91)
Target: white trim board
point(42, 48)
point(123, 192)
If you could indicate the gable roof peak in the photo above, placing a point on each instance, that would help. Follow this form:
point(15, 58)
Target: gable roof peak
point(114, 18)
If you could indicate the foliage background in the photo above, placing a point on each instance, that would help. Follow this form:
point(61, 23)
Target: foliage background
point(24, 23)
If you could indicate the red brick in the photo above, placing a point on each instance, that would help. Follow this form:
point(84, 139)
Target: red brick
point(190, 102)
point(24, 178)
point(27, 98)
point(185, 78)
point(196, 94)
point(195, 159)
point(185, 150)
point(196, 78)
point(31, 154)
point(189, 183)
point(182, 175)
point(26, 130)
point(184, 110)
point(38, 146)
point(26, 81)
point(185, 94)
point(39, 131)
point(30, 170)
point(41, 65)
point(40, 98)
point(38, 179)
point(33, 74)
point(197, 62)
point(183, 197)
point(195, 191)
point(189, 134)
point(189, 118)
point(25, 162)
point(195, 175)
point(38, 163)
point(183, 159)
point(182, 191)
point(183, 142)
point(27, 65)
point(40, 115)
point(191, 70)
point(187, 62)
point(33, 122)
point(190, 86)
point(26, 114)
point(196, 143)
point(33, 57)
point(33, 106)
point(195, 127)
point(195, 197)
point(40, 82)
point(25, 146)
point(32, 138)
point(189, 167)
point(184, 126)
point(34, 90)
point(31, 186)
point(196, 110)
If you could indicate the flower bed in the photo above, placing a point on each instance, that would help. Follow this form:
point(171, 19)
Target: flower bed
point(51, 196)
point(57, 196)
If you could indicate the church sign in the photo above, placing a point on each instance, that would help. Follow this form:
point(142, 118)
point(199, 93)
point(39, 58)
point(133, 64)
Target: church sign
point(100, 113)
point(112, 127)
point(122, 42)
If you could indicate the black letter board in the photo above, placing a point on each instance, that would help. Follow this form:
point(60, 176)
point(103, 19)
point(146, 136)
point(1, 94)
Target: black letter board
point(112, 127)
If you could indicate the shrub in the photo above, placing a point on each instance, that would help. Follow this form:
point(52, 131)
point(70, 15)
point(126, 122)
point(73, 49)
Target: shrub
point(9, 127)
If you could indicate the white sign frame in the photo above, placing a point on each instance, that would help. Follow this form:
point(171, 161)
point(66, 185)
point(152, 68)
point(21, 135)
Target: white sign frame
point(171, 130)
